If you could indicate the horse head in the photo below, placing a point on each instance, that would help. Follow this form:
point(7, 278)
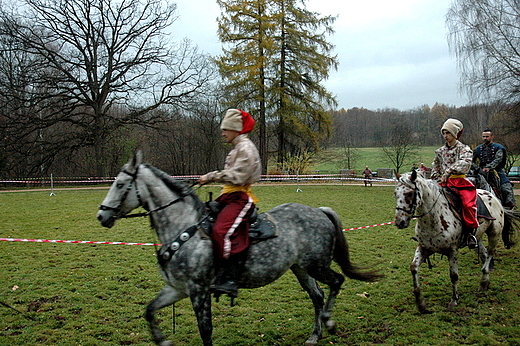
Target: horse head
point(123, 195)
point(406, 194)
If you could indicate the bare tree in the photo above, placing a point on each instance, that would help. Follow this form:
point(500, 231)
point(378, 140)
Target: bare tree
point(95, 55)
point(191, 143)
point(402, 145)
point(485, 37)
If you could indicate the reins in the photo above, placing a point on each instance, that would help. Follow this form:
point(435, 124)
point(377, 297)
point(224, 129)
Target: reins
point(147, 213)
point(414, 204)
point(158, 208)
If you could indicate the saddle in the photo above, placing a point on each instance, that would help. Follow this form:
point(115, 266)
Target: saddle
point(261, 226)
point(455, 203)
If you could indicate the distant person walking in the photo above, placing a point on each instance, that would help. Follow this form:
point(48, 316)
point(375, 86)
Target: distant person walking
point(368, 176)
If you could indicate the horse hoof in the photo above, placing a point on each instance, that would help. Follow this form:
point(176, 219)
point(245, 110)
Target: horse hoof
point(452, 305)
point(483, 287)
point(166, 343)
point(424, 310)
point(331, 326)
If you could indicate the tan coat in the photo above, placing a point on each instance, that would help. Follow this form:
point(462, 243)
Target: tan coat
point(242, 167)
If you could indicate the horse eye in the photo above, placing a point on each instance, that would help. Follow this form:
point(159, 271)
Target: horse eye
point(120, 185)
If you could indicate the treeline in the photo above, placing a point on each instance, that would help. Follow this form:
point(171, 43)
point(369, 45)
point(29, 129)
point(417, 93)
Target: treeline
point(360, 127)
point(189, 141)
point(83, 83)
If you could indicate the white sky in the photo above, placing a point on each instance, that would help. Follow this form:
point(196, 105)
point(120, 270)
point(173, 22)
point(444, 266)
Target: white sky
point(392, 53)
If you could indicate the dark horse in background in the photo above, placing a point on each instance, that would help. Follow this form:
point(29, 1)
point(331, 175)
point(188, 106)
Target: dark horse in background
point(308, 239)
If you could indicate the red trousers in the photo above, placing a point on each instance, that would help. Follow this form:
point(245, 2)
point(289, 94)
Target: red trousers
point(468, 194)
point(231, 230)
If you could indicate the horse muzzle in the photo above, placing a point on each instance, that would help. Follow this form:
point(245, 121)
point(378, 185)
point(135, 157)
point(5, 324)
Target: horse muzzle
point(402, 223)
point(107, 218)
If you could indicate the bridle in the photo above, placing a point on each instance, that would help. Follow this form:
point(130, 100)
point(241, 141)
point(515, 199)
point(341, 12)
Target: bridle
point(416, 195)
point(166, 251)
point(117, 210)
point(412, 210)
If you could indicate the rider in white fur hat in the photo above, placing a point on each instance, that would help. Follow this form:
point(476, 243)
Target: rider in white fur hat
point(452, 162)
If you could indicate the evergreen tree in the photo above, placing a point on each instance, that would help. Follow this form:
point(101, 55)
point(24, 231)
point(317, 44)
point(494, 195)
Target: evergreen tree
point(276, 61)
point(303, 103)
point(247, 28)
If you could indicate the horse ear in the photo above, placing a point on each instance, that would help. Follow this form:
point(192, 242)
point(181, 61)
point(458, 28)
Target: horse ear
point(397, 175)
point(137, 159)
point(414, 175)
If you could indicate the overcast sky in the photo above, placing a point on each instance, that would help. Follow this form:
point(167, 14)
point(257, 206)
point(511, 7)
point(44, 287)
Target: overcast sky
point(392, 53)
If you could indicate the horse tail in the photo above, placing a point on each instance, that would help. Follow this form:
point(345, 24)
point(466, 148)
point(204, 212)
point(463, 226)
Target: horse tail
point(341, 252)
point(511, 225)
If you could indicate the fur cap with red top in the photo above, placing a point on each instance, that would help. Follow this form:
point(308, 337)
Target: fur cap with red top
point(237, 120)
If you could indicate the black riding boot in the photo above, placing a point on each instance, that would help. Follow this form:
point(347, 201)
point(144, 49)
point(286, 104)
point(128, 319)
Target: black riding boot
point(227, 280)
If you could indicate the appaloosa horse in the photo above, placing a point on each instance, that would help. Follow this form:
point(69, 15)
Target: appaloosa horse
point(439, 229)
point(308, 240)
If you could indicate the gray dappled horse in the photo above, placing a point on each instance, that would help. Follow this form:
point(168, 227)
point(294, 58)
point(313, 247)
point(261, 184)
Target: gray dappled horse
point(308, 240)
point(439, 229)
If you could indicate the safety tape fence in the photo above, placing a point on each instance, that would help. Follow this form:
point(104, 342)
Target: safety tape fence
point(75, 242)
point(140, 244)
point(265, 177)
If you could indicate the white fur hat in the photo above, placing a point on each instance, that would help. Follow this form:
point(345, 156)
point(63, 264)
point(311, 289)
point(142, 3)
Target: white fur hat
point(232, 120)
point(454, 127)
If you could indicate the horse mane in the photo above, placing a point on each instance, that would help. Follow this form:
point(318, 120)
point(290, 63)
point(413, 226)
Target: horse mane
point(180, 187)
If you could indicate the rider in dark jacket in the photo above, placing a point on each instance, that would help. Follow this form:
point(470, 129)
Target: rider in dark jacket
point(491, 158)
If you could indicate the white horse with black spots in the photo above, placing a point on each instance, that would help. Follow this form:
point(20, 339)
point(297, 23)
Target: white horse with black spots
point(439, 229)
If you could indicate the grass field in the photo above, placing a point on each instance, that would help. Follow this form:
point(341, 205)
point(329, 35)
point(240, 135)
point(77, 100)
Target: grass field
point(76, 294)
point(330, 160)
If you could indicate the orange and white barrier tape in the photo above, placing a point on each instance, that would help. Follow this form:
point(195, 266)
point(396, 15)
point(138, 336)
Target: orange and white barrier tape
point(140, 244)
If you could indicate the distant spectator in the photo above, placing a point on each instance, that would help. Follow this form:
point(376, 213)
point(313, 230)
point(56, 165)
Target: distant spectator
point(423, 168)
point(368, 176)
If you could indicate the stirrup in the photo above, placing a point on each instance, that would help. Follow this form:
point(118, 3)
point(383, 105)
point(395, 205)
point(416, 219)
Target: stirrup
point(472, 241)
point(230, 288)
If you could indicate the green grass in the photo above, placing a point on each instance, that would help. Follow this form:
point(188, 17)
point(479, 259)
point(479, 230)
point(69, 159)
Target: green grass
point(96, 294)
point(329, 160)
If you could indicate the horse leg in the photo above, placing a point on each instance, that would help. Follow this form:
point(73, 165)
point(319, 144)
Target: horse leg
point(486, 263)
point(418, 259)
point(453, 259)
point(201, 302)
point(486, 256)
point(316, 294)
point(334, 281)
point(167, 296)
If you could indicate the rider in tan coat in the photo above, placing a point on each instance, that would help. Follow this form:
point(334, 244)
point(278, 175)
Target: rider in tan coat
point(231, 230)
